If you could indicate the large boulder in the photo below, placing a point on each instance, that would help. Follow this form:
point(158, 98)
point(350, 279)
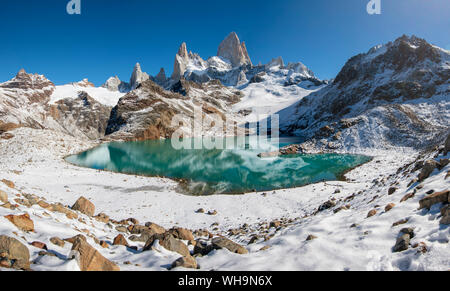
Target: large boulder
point(155, 227)
point(224, 243)
point(427, 169)
point(202, 248)
point(402, 243)
point(181, 62)
point(84, 206)
point(181, 233)
point(3, 197)
point(8, 183)
point(438, 197)
point(232, 50)
point(57, 241)
point(327, 205)
point(169, 242)
point(89, 259)
point(445, 211)
point(13, 254)
point(185, 262)
point(447, 145)
point(58, 207)
point(102, 217)
point(22, 222)
point(120, 240)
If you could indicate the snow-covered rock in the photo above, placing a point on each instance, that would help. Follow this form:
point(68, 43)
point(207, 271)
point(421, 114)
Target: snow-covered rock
point(394, 95)
point(147, 112)
point(232, 50)
point(138, 77)
point(115, 84)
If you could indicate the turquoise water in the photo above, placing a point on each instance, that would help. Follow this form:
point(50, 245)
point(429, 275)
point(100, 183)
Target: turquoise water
point(217, 171)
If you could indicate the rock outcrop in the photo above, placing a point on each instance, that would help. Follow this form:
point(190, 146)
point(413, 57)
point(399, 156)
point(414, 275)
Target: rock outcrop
point(89, 259)
point(82, 116)
point(232, 50)
point(181, 63)
point(115, 84)
point(169, 242)
point(147, 113)
point(84, 206)
point(276, 62)
point(185, 262)
point(161, 77)
point(3, 197)
point(138, 77)
point(22, 222)
point(378, 86)
point(435, 198)
point(224, 243)
point(13, 254)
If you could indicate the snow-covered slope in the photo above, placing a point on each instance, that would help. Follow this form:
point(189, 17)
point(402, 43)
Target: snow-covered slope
point(388, 103)
point(394, 95)
point(100, 94)
point(282, 230)
point(148, 112)
point(80, 109)
point(274, 88)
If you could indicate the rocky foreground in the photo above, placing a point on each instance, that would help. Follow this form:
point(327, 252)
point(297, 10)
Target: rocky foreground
point(404, 216)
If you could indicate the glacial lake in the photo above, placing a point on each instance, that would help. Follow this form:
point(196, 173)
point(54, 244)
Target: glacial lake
point(235, 170)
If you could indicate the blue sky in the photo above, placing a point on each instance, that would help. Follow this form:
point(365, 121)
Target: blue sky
point(110, 36)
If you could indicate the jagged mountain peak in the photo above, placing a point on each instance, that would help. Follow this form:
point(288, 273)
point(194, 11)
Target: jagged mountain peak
point(403, 55)
point(84, 83)
point(161, 77)
point(232, 49)
point(21, 73)
point(276, 62)
point(138, 77)
point(398, 84)
point(183, 60)
point(24, 80)
point(182, 51)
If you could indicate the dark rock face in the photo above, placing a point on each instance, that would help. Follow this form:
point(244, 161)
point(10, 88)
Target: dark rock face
point(438, 197)
point(26, 81)
point(36, 88)
point(427, 169)
point(399, 56)
point(149, 108)
point(327, 205)
point(83, 114)
point(224, 243)
point(168, 242)
point(447, 145)
point(147, 113)
point(402, 243)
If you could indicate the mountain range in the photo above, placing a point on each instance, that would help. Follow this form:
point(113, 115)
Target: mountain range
point(396, 94)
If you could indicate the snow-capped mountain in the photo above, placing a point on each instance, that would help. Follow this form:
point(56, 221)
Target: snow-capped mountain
point(80, 109)
point(137, 77)
point(396, 94)
point(232, 66)
point(148, 111)
point(23, 96)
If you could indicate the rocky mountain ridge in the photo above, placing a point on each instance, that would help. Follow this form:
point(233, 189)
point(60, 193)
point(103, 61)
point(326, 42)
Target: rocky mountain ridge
point(232, 66)
point(394, 95)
